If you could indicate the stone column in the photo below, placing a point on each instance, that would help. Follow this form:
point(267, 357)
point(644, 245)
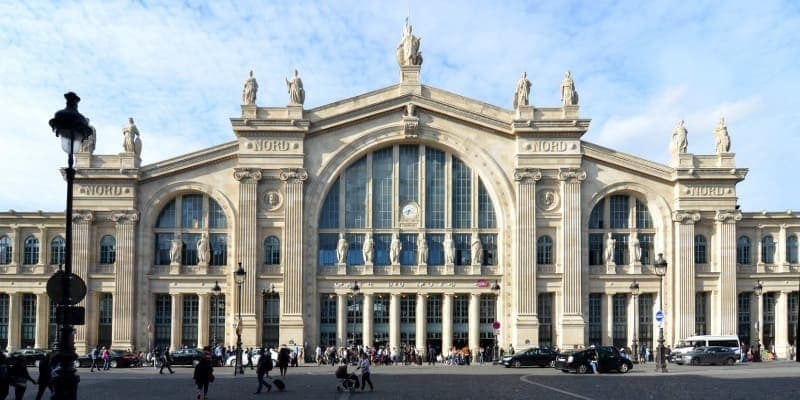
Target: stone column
point(341, 319)
point(524, 282)
point(682, 268)
point(293, 288)
point(81, 254)
point(247, 247)
point(760, 319)
point(447, 322)
point(781, 323)
point(572, 323)
point(474, 331)
point(725, 243)
point(124, 313)
point(422, 323)
point(394, 321)
point(176, 320)
point(42, 320)
point(15, 249)
point(14, 321)
point(203, 319)
point(780, 253)
point(367, 320)
point(44, 250)
point(607, 316)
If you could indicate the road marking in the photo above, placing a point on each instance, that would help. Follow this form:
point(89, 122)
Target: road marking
point(575, 395)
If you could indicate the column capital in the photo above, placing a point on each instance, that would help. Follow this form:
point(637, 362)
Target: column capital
point(728, 216)
point(571, 175)
point(247, 174)
point(688, 217)
point(123, 216)
point(527, 175)
point(82, 217)
point(291, 174)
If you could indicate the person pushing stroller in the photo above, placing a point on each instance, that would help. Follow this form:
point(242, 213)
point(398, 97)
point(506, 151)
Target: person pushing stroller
point(349, 381)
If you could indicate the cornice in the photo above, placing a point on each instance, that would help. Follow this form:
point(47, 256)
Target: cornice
point(626, 161)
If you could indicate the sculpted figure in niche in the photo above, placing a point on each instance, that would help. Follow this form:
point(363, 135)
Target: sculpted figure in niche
point(679, 140)
point(477, 250)
point(422, 249)
point(394, 249)
point(203, 250)
point(449, 249)
point(723, 141)
point(408, 50)
point(610, 242)
point(272, 200)
point(250, 90)
point(175, 251)
point(129, 133)
point(635, 249)
point(369, 244)
point(297, 95)
point(523, 91)
point(341, 249)
point(88, 144)
point(569, 97)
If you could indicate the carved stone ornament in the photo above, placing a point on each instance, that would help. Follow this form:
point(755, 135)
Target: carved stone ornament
point(527, 175)
point(729, 216)
point(124, 216)
point(547, 199)
point(299, 174)
point(272, 200)
point(572, 175)
point(241, 174)
point(685, 217)
point(410, 121)
point(82, 217)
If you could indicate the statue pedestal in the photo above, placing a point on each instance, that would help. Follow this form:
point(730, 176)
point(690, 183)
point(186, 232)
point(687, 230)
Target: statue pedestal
point(394, 269)
point(570, 112)
point(611, 268)
point(369, 269)
point(341, 269)
point(421, 269)
point(636, 268)
point(38, 269)
point(449, 269)
point(524, 113)
point(409, 80)
point(12, 268)
point(174, 269)
point(202, 268)
point(474, 269)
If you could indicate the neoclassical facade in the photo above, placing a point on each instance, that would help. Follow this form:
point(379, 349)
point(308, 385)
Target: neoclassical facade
point(425, 199)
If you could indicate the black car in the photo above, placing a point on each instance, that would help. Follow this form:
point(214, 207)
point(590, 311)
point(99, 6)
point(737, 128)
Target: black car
point(186, 357)
point(608, 359)
point(707, 355)
point(31, 356)
point(119, 359)
point(533, 356)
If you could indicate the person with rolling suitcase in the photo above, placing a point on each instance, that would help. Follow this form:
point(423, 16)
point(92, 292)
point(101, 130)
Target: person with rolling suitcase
point(262, 368)
point(203, 375)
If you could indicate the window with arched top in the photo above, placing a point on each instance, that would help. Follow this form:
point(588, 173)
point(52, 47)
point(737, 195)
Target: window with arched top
point(626, 217)
point(5, 250)
point(31, 251)
point(743, 250)
point(544, 250)
point(189, 217)
point(272, 250)
point(58, 248)
point(108, 250)
point(791, 249)
point(700, 250)
point(768, 250)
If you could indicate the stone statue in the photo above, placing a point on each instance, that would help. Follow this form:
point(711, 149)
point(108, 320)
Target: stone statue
point(367, 248)
point(297, 95)
point(250, 90)
point(88, 144)
point(523, 91)
point(679, 140)
point(129, 133)
point(449, 249)
point(341, 249)
point(203, 250)
point(477, 250)
point(422, 249)
point(569, 97)
point(175, 251)
point(394, 249)
point(610, 242)
point(408, 50)
point(635, 249)
point(723, 141)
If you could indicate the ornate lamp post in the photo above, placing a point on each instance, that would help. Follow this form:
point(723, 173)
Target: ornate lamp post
point(354, 289)
point(217, 291)
point(495, 353)
point(635, 293)
point(660, 265)
point(797, 325)
point(72, 128)
point(758, 289)
point(239, 276)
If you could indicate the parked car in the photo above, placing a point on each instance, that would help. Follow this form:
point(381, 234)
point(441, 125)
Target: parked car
point(186, 357)
point(31, 356)
point(231, 361)
point(119, 359)
point(707, 355)
point(533, 356)
point(608, 359)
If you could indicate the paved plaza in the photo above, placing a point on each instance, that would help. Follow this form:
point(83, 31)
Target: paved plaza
point(773, 380)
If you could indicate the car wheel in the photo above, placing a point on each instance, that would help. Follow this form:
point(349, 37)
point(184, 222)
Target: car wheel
point(113, 364)
point(582, 369)
point(36, 363)
point(517, 364)
point(552, 363)
point(624, 368)
point(730, 361)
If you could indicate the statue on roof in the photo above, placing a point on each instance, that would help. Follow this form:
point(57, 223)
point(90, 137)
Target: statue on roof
point(569, 97)
point(250, 90)
point(723, 141)
point(129, 133)
point(88, 144)
point(408, 50)
point(679, 140)
point(523, 91)
point(297, 95)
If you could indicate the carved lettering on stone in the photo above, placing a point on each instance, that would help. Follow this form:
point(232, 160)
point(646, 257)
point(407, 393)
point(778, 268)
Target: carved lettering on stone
point(549, 146)
point(103, 190)
point(708, 191)
point(269, 145)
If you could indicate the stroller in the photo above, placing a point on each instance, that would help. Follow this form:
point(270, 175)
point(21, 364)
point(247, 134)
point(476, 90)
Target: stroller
point(348, 382)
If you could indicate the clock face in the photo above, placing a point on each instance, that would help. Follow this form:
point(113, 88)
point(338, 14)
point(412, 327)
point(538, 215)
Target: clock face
point(409, 211)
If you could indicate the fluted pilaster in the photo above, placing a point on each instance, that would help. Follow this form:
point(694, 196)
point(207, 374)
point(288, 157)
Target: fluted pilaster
point(684, 287)
point(394, 320)
point(81, 251)
point(246, 241)
point(726, 256)
point(42, 320)
point(570, 252)
point(474, 322)
point(124, 302)
point(422, 323)
point(293, 238)
point(447, 322)
point(524, 281)
point(367, 319)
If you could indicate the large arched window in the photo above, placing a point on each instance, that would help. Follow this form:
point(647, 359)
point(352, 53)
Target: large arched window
point(767, 250)
point(31, 251)
point(188, 217)
point(544, 250)
point(108, 250)
point(621, 215)
point(791, 249)
point(58, 248)
point(272, 251)
point(700, 250)
point(408, 190)
point(743, 250)
point(5, 250)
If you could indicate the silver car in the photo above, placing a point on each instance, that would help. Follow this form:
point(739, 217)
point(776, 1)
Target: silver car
point(707, 355)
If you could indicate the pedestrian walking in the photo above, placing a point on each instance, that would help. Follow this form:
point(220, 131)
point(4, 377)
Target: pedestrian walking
point(262, 369)
point(4, 376)
point(250, 358)
point(283, 361)
point(106, 356)
point(20, 377)
point(166, 361)
point(364, 367)
point(45, 377)
point(203, 375)
point(593, 361)
point(95, 355)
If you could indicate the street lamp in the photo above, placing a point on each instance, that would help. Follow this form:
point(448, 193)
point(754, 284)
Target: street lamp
point(635, 293)
point(495, 353)
point(355, 289)
point(239, 276)
point(797, 325)
point(72, 128)
point(758, 289)
point(660, 266)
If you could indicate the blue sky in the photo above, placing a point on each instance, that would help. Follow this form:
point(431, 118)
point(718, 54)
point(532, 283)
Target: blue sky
point(178, 69)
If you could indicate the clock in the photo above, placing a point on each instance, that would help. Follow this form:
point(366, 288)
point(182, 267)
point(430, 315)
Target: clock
point(409, 211)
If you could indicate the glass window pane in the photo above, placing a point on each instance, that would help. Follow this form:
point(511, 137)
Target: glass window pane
point(595, 249)
point(462, 195)
point(791, 249)
point(190, 321)
point(700, 249)
point(544, 250)
point(330, 208)
point(356, 195)
point(595, 324)
point(192, 211)
point(486, 216)
point(327, 248)
point(409, 174)
point(272, 251)
point(219, 248)
point(382, 193)
point(768, 250)
point(28, 324)
point(163, 243)
point(596, 217)
point(435, 248)
point(382, 241)
point(57, 251)
point(646, 243)
point(643, 220)
point(545, 310)
point(4, 300)
point(5, 250)
point(108, 250)
point(167, 217)
point(743, 328)
point(434, 188)
point(31, 251)
point(408, 254)
point(619, 211)
point(189, 250)
point(620, 248)
point(463, 254)
point(216, 215)
point(620, 318)
point(743, 250)
point(355, 255)
point(163, 321)
point(489, 243)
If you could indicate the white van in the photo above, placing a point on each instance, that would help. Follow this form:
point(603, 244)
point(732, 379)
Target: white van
point(688, 344)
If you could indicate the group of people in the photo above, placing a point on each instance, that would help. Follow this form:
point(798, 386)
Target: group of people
point(100, 354)
point(14, 373)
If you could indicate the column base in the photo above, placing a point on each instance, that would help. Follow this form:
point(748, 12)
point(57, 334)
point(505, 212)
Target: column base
point(292, 330)
point(527, 332)
point(127, 345)
point(572, 332)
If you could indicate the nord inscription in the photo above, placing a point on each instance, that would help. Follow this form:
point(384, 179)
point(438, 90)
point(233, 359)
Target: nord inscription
point(103, 190)
point(703, 191)
point(549, 146)
point(270, 145)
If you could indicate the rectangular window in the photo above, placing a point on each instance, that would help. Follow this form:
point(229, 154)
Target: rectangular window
point(487, 315)
point(620, 319)
point(189, 250)
point(192, 211)
point(163, 243)
point(3, 320)
point(434, 317)
point(327, 248)
point(700, 307)
point(380, 251)
point(167, 217)
point(619, 212)
point(620, 248)
point(28, 325)
point(595, 319)
point(462, 195)
point(596, 217)
point(52, 331)
point(646, 319)
point(190, 319)
point(327, 319)
point(163, 321)
point(106, 316)
point(646, 244)
point(408, 309)
point(486, 216)
point(643, 220)
point(545, 309)
point(489, 244)
point(596, 249)
point(793, 299)
point(380, 320)
point(408, 254)
point(57, 252)
point(219, 248)
point(769, 319)
point(409, 174)
point(355, 255)
point(382, 188)
point(356, 195)
point(743, 329)
point(463, 252)
point(216, 320)
point(435, 249)
point(330, 209)
point(460, 319)
point(355, 317)
point(434, 189)
point(271, 320)
point(216, 216)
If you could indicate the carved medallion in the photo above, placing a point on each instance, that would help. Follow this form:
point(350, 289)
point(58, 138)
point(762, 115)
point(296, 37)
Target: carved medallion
point(547, 199)
point(272, 200)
